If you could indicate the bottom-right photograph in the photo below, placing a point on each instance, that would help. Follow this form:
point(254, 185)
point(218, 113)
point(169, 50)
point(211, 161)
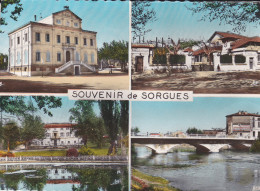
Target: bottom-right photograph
point(211, 143)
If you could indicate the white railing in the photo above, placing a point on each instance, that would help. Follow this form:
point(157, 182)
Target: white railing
point(93, 69)
point(63, 67)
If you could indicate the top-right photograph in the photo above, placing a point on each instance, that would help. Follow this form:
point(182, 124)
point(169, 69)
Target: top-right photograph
point(204, 47)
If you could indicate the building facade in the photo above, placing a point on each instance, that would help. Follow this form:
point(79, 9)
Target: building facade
point(243, 124)
point(55, 44)
point(59, 135)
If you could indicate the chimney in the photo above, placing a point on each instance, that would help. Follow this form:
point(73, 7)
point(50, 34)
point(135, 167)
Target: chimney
point(35, 18)
point(66, 7)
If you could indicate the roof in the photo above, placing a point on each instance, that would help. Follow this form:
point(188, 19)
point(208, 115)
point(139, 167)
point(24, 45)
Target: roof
point(67, 10)
point(243, 113)
point(62, 181)
point(142, 46)
point(201, 50)
point(243, 41)
point(227, 35)
point(188, 50)
point(59, 125)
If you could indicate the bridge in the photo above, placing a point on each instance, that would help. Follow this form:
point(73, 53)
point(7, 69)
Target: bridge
point(162, 145)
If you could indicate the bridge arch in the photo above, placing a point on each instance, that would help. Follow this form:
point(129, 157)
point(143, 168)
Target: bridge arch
point(161, 148)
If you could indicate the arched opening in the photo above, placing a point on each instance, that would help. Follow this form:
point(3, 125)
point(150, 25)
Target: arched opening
point(67, 56)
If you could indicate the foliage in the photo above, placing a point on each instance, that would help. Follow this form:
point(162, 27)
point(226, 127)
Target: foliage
point(142, 14)
point(42, 153)
point(36, 183)
point(188, 43)
point(226, 59)
point(84, 150)
point(133, 155)
point(177, 59)
point(160, 56)
point(236, 14)
point(135, 130)
point(115, 50)
point(255, 148)
point(72, 152)
point(124, 117)
point(11, 134)
point(3, 61)
point(33, 128)
point(149, 178)
point(6, 154)
point(14, 13)
point(239, 58)
point(194, 130)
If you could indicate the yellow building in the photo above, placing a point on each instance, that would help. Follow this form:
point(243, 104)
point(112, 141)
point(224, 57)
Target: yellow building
point(55, 44)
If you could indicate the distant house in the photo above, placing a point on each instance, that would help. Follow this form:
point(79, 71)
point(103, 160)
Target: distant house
point(243, 124)
point(59, 135)
point(155, 135)
point(227, 52)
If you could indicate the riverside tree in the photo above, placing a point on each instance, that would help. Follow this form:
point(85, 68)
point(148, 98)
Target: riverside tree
point(11, 134)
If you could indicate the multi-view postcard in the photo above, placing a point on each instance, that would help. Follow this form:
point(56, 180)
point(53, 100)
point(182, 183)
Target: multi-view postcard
point(52, 46)
point(203, 47)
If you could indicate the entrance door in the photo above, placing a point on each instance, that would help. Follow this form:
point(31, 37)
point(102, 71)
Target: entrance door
point(251, 63)
point(55, 142)
point(76, 70)
point(67, 56)
point(139, 64)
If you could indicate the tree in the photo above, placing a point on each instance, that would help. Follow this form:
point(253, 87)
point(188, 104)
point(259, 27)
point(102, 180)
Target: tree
point(208, 50)
point(11, 134)
point(14, 13)
point(115, 50)
point(142, 14)
point(124, 117)
point(3, 61)
point(135, 130)
point(237, 14)
point(110, 113)
point(194, 130)
point(33, 128)
point(85, 118)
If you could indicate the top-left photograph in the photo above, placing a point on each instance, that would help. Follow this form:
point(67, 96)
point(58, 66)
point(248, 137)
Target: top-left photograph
point(55, 45)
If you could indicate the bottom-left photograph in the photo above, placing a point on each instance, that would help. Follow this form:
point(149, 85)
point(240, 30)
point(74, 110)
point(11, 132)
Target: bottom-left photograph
point(53, 143)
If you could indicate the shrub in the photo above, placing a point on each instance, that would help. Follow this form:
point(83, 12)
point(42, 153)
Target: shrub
point(84, 150)
point(177, 59)
point(255, 147)
point(240, 58)
point(6, 154)
point(226, 59)
point(72, 152)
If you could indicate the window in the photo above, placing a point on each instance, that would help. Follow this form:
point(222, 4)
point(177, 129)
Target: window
point(258, 58)
point(75, 141)
point(58, 56)
point(58, 38)
point(18, 40)
point(25, 37)
point(76, 24)
point(67, 39)
point(58, 21)
point(85, 41)
point(76, 40)
point(25, 57)
point(77, 56)
point(38, 56)
point(91, 42)
point(47, 37)
point(38, 37)
point(92, 58)
point(67, 134)
point(68, 142)
point(47, 134)
point(18, 58)
point(62, 134)
point(68, 23)
point(61, 128)
point(86, 58)
point(48, 56)
point(11, 42)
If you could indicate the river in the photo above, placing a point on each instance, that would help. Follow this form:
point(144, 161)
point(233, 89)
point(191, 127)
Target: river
point(227, 170)
point(63, 176)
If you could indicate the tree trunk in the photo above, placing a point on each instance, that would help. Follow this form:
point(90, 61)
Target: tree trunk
point(168, 64)
point(8, 146)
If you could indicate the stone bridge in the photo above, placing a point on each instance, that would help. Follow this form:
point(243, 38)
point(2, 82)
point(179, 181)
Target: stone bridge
point(202, 144)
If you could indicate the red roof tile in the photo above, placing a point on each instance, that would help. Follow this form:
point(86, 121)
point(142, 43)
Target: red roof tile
point(142, 46)
point(59, 125)
point(243, 41)
point(188, 50)
point(242, 113)
point(227, 35)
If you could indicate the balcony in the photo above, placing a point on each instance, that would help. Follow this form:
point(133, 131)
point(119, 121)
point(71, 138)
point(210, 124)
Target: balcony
point(69, 45)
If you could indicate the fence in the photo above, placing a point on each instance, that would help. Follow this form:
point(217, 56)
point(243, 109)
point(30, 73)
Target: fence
point(90, 158)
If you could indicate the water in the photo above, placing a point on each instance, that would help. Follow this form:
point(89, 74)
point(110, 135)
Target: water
point(238, 171)
point(55, 177)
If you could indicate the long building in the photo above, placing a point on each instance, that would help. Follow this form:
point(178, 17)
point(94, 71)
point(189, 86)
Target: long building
point(55, 44)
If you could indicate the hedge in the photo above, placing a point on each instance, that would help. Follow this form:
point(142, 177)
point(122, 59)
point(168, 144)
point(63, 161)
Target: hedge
point(177, 59)
point(159, 59)
point(225, 58)
point(240, 58)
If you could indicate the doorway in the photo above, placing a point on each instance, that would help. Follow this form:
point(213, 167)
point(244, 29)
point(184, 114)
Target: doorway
point(139, 63)
point(251, 63)
point(67, 56)
point(76, 70)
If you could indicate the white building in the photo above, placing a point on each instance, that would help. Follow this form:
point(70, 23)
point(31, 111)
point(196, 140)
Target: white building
point(142, 57)
point(59, 135)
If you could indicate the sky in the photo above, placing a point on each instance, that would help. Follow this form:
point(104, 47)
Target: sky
point(202, 113)
point(174, 20)
point(109, 19)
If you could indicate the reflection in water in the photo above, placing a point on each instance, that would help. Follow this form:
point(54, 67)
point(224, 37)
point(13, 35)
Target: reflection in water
point(216, 172)
point(63, 177)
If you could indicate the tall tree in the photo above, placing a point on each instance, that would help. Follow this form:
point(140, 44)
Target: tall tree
point(83, 115)
point(124, 117)
point(3, 61)
point(142, 14)
point(11, 134)
point(33, 128)
point(237, 14)
point(14, 13)
point(110, 113)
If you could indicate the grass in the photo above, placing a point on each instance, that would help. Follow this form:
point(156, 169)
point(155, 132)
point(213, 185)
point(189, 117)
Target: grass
point(41, 153)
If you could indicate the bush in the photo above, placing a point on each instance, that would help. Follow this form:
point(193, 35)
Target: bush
point(240, 58)
point(6, 154)
point(159, 59)
point(177, 59)
point(84, 150)
point(255, 147)
point(226, 59)
point(72, 152)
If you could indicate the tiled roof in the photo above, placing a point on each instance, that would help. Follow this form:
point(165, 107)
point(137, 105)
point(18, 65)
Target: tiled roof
point(243, 41)
point(142, 46)
point(200, 51)
point(188, 50)
point(59, 125)
point(242, 113)
point(227, 35)
point(69, 11)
